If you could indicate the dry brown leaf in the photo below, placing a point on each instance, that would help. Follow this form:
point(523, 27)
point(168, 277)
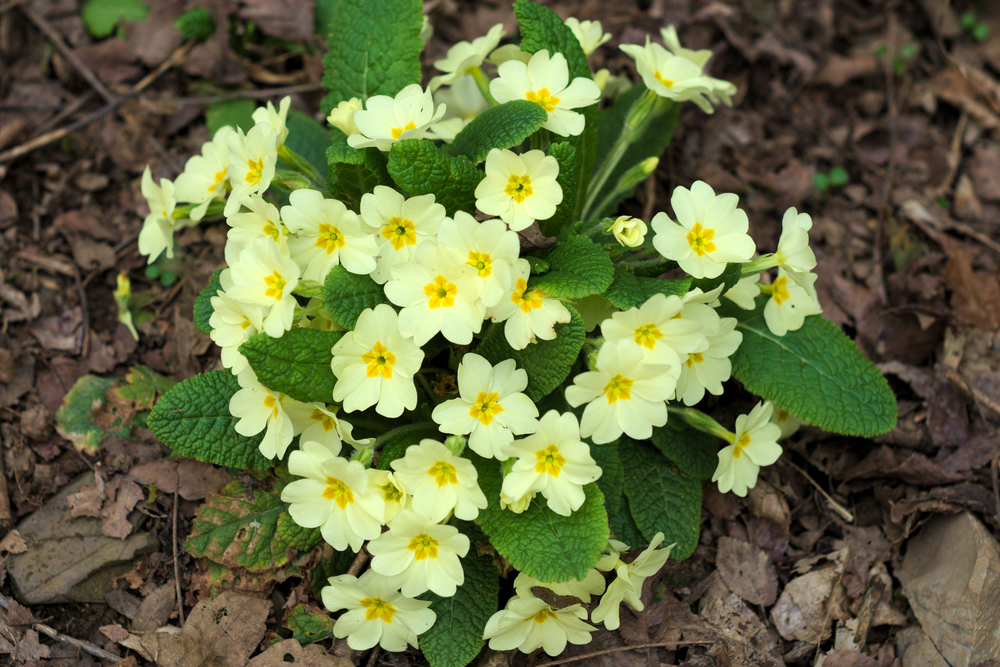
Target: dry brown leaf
point(13, 543)
point(747, 571)
point(114, 513)
point(290, 651)
point(156, 608)
point(196, 478)
point(801, 611)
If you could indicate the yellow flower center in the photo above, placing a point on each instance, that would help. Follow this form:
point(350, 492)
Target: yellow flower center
point(337, 491)
point(700, 239)
point(390, 493)
point(377, 608)
point(423, 546)
point(271, 403)
point(396, 131)
point(219, 177)
point(740, 444)
point(329, 238)
point(486, 407)
point(647, 335)
point(694, 358)
point(443, 473)
point(518, 188)
point(779, 290)
point(666, 82)
point(619, 387)
point(549, 460)
point(542, 97)
point(440, 293)
point(272, 231)
point(329, 423)
point(245, 324)
point(275, 286)
point(380, 361)
point(255, 171)
point(400, 232)
point(524, 299)
point(542, 616)
point(481, 262)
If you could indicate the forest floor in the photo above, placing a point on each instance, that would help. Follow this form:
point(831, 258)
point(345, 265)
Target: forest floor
point(881, 119)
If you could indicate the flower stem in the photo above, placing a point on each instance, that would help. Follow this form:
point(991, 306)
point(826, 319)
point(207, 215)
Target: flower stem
point(484, 84)
point(702, 422)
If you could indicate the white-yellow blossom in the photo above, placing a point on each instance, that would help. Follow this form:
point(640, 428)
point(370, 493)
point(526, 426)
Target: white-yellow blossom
point(519, 189)
point(440, 482)
point(465, 56)
point(755, 444)
point(420, 555)
point(386, 120)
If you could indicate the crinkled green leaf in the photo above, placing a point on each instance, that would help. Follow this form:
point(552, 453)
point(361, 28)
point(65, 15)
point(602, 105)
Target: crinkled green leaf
point(203, 303)
point(374, 49)
point(541, 28)
point(297, 364)
point(140, 387)
point(729, 277)
point(539, 542)
point(456, 637)
point(354, 174)
point(613, 476)
point(628, 291)
point(76, 418)
point(547, 362)
point(501, 126)
point(651, 143)
point(419, 167)
point(568, 179)
point(101, 17)
point(238, 527)
point(816, 373)
point(661, 498)
point(294, 535)
point(346, 295)
point(340, 152)
point(695, 452)
point(234, 113)
point(623, 526)
point(309, 624)
point(578, 267)
point(395, 444)
point(193, 420)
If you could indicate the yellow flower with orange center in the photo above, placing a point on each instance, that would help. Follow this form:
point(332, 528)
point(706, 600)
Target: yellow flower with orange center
point(441, 292)
point(486, 407)
point(396, 131)
point(423, 546)
point(377, 608)
point(519, 188)
point(481, 262)
point(329, 238)
point(339, 492)
point(647, 335)
point(400, 232)
point(380, 361)
point(700, 239)
point(549, 461)
point(255, 169)
point(619, 387)
point(779, 290)
point(524, 299)
point(443, 473)
point(543, 98)
point(275, 284)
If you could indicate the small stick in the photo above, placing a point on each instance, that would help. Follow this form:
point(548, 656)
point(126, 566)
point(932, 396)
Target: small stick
point(79, 643)
point(634, 647)
point(177, 565)
point(359, 562)
point(6, 517)
point(842, 511)
point(249, 94)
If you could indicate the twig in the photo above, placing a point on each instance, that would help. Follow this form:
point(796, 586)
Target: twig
point(359, 562)
point(6, 517)
point(65, 112)
point(634, 647)
point(841, 511)
point(994, 464)
point(374, 656)
point(79, 643)
point(249, 94)
point(10, 4)
point(177, 565)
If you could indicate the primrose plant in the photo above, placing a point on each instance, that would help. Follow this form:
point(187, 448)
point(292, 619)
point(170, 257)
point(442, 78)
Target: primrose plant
point(441, 345)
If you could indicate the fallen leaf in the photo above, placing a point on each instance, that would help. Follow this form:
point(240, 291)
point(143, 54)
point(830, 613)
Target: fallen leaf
point(848, 659)
point(114, 514)
point(197, 479)
point(865, 547)
point(290, 651)
point(911, 467)
point(747, 571)
point(745, 640)
point(13, 543)
point(114, 632)
point(801, 610)
point(156, 608)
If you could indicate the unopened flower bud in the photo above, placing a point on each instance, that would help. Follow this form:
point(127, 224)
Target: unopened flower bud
point(455, 444)
point(516, 505)
point(628, 231)
point(364, 456)
point(342, 117)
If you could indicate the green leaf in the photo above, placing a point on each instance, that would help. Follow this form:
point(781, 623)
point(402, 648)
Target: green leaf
point(661, 498)
point(101, 17)
point(238, 527)
point(695, 452)
point(628, 291)
point(396, 441)
point(234, 113)
point(419, 167)
point(193, 420)
point(140, 387)
point(623, 526)
point(456, 637)
point(613, 476)
point(309, 624)
point(541, 28)
point(578, 267)
point(203, 303)
point(816, 373)
point(309, 139)
point(195, 24)
point(729, 277)
point(539, 542)
point(501, 126)
point(354, 173)
point(651, 143)
point(374, 49)
point(547, 362)
point(297, 364)
point(294, 535)
point(346, 295)
point(338, 563)
point(569, 167)
point(340, 152)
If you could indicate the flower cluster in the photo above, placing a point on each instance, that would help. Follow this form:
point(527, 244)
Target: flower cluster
point(442, 280)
